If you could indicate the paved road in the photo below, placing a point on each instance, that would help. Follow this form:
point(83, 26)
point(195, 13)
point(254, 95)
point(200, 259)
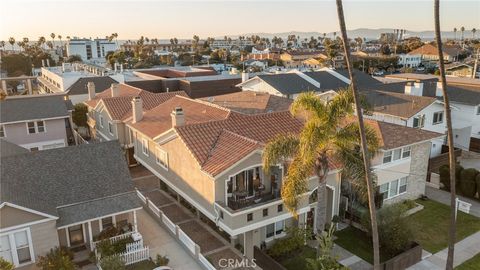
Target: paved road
point(442, 196)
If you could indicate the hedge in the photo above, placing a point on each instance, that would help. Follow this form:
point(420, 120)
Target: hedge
point(444, 172)
point(467, 182)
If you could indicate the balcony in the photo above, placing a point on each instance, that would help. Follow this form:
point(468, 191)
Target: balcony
point(253, 187)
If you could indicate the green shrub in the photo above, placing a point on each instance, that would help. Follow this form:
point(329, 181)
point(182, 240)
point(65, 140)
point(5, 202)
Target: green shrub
point(6, 265)
point(477, 180)
point(444, 172)
point(161, 260)
point(57, 258)
point(409, 204)
point(394, 232)
point(113, 263)
point(468, 185)
point(292, 242)
point(106, 248)
point(468, 174)
point(108, 232)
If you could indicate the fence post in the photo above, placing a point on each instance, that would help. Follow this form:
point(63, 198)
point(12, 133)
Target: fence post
point(197, 252)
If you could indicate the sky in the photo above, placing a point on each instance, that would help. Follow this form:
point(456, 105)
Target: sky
point(164, 19)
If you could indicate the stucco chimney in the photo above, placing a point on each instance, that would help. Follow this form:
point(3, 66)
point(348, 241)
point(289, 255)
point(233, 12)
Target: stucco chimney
point(115, 90)
point(439, 90)
point(244, 76)
point(91, 90)
point(178, 118)
point(414, 89)
point(137, 109)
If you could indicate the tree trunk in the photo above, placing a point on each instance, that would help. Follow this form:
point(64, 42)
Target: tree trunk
point(451, 153)
point(321, 213)
point(363, 141)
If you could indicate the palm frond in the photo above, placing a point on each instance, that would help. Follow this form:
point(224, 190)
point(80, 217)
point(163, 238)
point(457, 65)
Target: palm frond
point(295, 183)
point(310, 103)
point(279, 149)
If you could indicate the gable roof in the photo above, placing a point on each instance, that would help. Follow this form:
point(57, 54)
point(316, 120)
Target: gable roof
point(10, 149)
point(288, 83)
point(24, 108)
point(89, 172)
point(429, 49)
point(80, 86)
point(123, 90)
point(397, 104)
point(251, 102)
point(158, 120)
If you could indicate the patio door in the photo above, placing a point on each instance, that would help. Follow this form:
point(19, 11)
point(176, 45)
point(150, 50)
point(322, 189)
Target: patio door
point(76, 235)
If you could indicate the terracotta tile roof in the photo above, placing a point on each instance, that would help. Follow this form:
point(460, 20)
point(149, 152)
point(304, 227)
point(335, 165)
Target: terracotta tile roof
point(392, 136)
point(250, 102)
point(124, 90)
point(429, 49)
point(247, 132)
point(158, 120)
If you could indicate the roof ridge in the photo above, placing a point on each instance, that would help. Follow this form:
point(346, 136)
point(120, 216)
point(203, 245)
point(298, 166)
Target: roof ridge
point(97, 199)
point(206, 103)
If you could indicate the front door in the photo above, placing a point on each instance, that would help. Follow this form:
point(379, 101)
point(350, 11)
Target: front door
point(131, 159)
point(76, 235)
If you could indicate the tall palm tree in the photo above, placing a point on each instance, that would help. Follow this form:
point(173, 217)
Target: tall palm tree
point(462, 29)
point(324, 138)
point(473, 33)
point(455, 33)
point(60, 38)
point(363, 139)
point(41, 41)
point(451, 153)
point(52, 35)
point(11, 40)
point(2, 44)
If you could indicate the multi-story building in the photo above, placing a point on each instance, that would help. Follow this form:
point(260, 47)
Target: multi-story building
point(89, 49)
point(409, 60)
point(37, 122)
point(230, 44)
point(160, 48)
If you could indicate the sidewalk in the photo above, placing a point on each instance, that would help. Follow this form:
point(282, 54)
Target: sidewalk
point(464, 250)
point(443, 197)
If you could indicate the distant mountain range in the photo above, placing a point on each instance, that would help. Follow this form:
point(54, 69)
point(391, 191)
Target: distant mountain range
point(362, 32)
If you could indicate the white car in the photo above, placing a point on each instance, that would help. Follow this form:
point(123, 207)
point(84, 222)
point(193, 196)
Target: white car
point(378, 73)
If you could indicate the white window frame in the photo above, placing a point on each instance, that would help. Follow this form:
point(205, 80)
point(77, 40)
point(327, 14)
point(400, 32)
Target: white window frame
point(275, 234)
point(436, 120)
point(110, 128)
point(398, 193)
point(35, 127)
point(161, 157)
point(421, 121)
point(391, 152)
point(13, 246)
point(3, 132)
point(145, 147)
point(100, 119)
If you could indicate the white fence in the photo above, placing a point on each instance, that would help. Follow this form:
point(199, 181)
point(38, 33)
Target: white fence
point(205, 262)
point(186, 241)
point(140, 195)
point(114, 239)
point(134, 246)
point(170, 225)
point(135, 256)
point(154, 208)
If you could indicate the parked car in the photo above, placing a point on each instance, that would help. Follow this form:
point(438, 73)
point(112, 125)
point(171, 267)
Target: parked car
point(378, 73)
point(421, 69)
point(163, 268)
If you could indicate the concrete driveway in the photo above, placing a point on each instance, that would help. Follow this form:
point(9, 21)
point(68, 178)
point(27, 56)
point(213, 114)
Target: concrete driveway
point(161, 242)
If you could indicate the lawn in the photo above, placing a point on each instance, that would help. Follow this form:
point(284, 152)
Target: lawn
point(298, 261)
point(472, 264)
point(430, 226)
point(145, 265)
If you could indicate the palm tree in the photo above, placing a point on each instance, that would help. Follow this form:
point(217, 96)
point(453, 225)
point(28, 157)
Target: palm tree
point(2, 44)
point(462, 29)
point(11, 40)
point(52, 35)
point(363, 139)
point(41, 41)
point(451, 153)
point(473, 33)
point(324, 138)
point(455, 32)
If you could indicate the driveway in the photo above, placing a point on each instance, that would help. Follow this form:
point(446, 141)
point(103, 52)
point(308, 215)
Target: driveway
point(161, 242)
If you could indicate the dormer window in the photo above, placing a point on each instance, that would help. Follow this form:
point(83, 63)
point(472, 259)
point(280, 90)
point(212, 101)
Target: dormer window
point(437, 118)
point(419, 121)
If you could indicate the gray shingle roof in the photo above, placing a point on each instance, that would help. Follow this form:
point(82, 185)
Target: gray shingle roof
point(48, 179)
point(327, 81)
point(288, 83)
point(80, 86)
point(10, 149)
point(97, 208)
point(32, 107)
point(362, 78)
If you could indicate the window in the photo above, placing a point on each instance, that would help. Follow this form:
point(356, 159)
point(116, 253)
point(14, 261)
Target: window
point(397, 154)
point(107, 222)
point(250, 217)
point(393, 188)
point(23, 248)
point(35, 127)
point(161, 157)
point(2, 131)
point(145, 147)
point(16, 247)
point(437, 118)
point(34, 149)
point(403, 185)
point(265, 212)
point(101, 121)
point(406, 152)
point(274, 229)
point(384, 190)
point(110, 127)
point(419, 121)
point(387, 157)
point(280, 208)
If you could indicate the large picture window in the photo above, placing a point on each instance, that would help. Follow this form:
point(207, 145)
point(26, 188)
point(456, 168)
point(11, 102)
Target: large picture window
point(275, 229)
point(16, 247)
point(35, 127)
point(393, 188)
point(396, 154)
point(161, 157)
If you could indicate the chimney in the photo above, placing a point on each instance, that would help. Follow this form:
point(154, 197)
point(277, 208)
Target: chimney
point(115, 67)
point(121, 68)
point(414, 88)
point(137, 109)
point(91, 90)
point(48, 62)
point(115, 90)
point(244, 76)
point(178, 118)
point(439, 91)
point(168, 90)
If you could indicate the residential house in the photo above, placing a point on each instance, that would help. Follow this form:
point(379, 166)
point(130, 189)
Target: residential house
point(62, 197)
point(295, 58)
point(429, 53)
point(459, 70)
point(108, 111)
point(409, 60)
point(37, 122)
point(211, 156)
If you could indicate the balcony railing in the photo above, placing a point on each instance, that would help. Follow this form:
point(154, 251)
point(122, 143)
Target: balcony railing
point(236, 204)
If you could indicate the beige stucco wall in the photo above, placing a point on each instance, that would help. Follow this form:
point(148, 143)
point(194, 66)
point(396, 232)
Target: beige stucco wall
point(10, 216)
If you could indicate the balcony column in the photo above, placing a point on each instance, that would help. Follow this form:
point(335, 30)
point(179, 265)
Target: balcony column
point(90, 236)
point(233, 240)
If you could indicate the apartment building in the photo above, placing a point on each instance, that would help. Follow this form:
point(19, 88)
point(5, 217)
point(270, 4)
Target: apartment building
point(409, 60)
point(89, 49)
point(211, 156)
point(37, 122)
point(229, 44)
point(108, 111)
point(62, 197)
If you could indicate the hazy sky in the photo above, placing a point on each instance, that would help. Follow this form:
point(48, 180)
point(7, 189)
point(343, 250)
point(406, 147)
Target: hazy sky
point(182, 19)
